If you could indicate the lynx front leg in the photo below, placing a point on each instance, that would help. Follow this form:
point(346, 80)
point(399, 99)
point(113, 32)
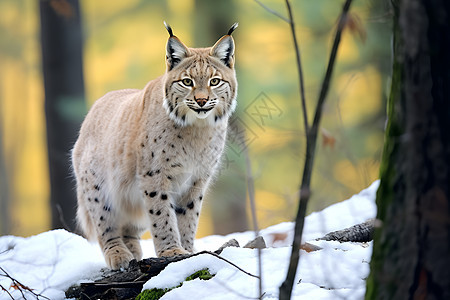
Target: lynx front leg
point(188, 212)
point(163, 221)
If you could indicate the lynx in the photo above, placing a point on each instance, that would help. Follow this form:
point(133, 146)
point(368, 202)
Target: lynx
point(144, 158)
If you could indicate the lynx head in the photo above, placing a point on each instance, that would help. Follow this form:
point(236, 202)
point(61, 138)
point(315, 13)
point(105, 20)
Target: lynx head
point(200, 83)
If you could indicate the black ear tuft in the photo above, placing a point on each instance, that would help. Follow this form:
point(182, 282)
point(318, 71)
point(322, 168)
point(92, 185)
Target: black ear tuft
point(233, 28)
point(223, 49)
point(169, 29)
point(176, 51)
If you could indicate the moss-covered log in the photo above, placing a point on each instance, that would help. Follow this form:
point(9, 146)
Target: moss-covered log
point(128, 284)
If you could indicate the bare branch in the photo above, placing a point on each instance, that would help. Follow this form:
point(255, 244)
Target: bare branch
point(299, 69)
point(225, 260)
point(251, 196)
point(19, 286)
point(5, 290)
point(329, 72)
point(234, 127)
point(286, 287)
point(273, 11)
point(290, 21)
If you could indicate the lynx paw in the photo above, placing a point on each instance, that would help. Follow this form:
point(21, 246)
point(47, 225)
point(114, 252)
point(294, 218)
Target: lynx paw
point(118, 257)
point(134, 245)
point(172, 252)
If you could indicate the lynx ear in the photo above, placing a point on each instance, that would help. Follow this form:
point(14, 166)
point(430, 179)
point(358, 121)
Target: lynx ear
point(176, 51)
point(224, 48)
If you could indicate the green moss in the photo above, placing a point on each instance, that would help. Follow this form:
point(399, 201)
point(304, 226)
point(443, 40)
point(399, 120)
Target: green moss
point(202, 274)
point(155, 294)
point(388, 169)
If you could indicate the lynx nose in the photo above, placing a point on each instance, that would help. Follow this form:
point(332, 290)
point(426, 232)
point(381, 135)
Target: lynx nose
point(201, 101)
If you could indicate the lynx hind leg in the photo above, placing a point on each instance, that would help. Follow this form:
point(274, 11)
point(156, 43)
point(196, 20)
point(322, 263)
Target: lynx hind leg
point(131, 238)
point(98, 221)
point(84, 222)
point(116, 253)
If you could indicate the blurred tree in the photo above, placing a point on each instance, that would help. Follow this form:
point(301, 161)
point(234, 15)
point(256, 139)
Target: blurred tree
point(228, 202)
point(411, 249)
point(61, 42)
point(5, 219)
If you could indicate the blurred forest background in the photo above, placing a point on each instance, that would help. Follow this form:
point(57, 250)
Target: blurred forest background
point(124, 47)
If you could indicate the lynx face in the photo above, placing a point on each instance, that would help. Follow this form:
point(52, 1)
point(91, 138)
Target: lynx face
point(201, 83)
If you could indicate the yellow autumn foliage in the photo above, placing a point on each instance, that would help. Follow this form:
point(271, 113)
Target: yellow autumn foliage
point(124, 48)
point(360, 95)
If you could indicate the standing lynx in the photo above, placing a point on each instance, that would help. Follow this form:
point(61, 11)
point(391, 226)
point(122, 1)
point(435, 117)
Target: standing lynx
point(144, 158)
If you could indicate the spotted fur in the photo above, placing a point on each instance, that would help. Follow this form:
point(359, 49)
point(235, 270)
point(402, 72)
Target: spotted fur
point(144, 158)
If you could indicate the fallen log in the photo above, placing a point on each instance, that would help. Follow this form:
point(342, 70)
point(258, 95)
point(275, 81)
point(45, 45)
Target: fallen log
point(358, 233)
point(127, 284)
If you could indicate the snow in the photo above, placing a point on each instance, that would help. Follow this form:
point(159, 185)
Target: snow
point(51, 262)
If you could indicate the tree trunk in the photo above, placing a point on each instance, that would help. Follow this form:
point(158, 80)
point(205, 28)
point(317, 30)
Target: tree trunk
point(411, 255)
point(61, 42)
point(5, 220)
point(228, 197)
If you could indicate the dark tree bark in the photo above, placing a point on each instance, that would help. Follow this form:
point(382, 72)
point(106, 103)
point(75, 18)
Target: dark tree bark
point(61, 41)
point(411, 255)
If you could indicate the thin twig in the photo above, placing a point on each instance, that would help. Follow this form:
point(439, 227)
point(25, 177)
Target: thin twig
point(290, 21)
point(19, 286)
point(273, 11)
point(5, 290)
point(286, 287)
point(329, 72)
point(61, 218)
point(226, 260)
point(5, 251)
point(299, 69)
point(13, 281)
point(250, 190)
point(251, 196)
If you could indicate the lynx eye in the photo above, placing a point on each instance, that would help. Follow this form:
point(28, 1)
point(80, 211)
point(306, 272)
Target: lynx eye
point(187, 82)
point(214, 81)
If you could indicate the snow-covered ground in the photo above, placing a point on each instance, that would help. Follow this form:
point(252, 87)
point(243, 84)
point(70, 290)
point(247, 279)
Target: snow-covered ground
point(51, 262)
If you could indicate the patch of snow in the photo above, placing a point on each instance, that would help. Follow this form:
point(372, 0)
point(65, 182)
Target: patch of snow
point(51, 262)
point(341, 215)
